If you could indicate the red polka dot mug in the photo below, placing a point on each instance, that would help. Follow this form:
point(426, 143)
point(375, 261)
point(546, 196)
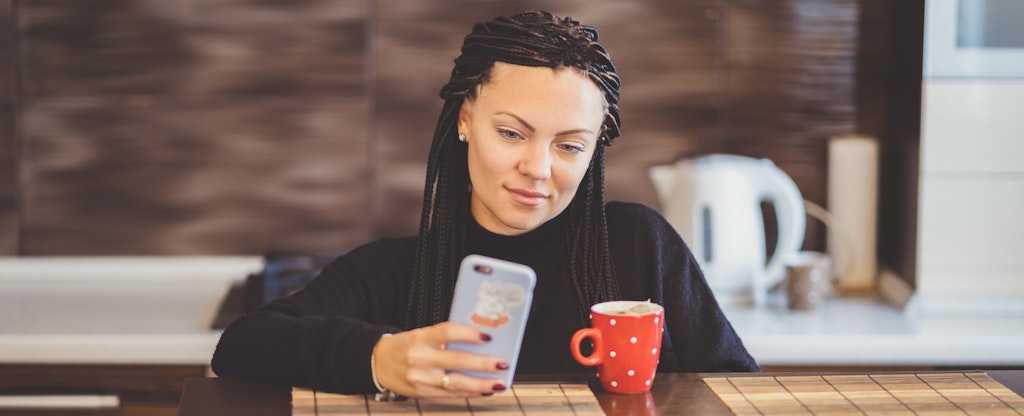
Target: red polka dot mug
point(627, 344)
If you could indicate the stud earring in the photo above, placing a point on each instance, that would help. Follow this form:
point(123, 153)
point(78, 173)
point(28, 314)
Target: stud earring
point(462, 137)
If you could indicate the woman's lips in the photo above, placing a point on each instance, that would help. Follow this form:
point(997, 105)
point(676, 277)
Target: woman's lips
point(528, 198)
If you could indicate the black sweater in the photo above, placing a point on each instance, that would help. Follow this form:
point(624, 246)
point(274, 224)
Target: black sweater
point(323, 336)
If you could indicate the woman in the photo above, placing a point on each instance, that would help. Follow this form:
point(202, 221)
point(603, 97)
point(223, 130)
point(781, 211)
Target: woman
point(516, 171)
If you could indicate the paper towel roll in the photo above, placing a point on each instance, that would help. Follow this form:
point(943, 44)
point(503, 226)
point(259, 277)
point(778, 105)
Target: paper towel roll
point(853, 202)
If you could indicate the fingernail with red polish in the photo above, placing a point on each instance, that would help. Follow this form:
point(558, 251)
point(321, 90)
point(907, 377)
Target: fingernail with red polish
point(499, 387)
point(501, 365)
point(485, 337)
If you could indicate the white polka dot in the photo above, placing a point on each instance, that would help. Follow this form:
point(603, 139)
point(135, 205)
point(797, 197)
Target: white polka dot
point(591, 316)
point(614, 384)
point(647, 383)
point(612, 354)
point(632, 340)
point(631, 373)
point(612, 322)
point(654, 351)
point(655, 319)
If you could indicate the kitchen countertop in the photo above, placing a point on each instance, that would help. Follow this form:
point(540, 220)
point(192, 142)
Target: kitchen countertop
point(114, 310)
point(864, 331)
point(845, 331)
point(110, 327)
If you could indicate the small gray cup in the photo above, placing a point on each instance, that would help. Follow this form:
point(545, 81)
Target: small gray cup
point(808, 280)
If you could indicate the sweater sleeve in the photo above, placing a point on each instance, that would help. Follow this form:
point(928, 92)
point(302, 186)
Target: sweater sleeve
point(655, 262)
point(322, 336)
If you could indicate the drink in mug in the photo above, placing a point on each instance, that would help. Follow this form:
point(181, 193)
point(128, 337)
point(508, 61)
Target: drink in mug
point(627, 344)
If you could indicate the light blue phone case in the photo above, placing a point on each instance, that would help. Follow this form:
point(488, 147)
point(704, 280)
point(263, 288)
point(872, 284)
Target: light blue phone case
point(494, 296)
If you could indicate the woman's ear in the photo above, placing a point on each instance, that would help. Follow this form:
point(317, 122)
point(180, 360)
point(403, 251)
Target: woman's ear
point(465, 113)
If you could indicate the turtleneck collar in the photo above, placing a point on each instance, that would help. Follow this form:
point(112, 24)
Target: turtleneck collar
point(522, 248)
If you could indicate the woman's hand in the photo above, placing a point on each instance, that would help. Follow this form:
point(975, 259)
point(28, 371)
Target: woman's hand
point(413, 363)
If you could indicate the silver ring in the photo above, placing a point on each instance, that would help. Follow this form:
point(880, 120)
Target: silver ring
point(447, 379)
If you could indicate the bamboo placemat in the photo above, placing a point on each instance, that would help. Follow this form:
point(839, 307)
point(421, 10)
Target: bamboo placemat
point(974, 393)
point(522, 399)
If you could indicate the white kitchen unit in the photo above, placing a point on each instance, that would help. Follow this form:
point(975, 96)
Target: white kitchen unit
point(971, 198)
point(970, 258)
point(114, 310)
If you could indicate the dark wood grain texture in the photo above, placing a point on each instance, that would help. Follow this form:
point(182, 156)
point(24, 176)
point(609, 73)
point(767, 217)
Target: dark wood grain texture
point(193, 177)
point(197, 127)
point(106, 47)
point(8, 146)
point(223, 127)
point(9, 227)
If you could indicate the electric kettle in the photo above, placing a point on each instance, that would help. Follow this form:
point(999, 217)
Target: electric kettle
point(714, 202)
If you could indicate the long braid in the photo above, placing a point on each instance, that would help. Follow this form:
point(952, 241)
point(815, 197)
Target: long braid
point(440, 219)
point(528, 39)
point(588, 232)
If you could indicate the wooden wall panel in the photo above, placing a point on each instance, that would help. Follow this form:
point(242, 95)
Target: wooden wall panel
point(298, 49)
point(8, 182)
point(797, 56)
point(6, 50)
point(8, 177)
point(231, 126)
point(108, 47)
point(196, 47)
point(194, 127)
point(192, 177)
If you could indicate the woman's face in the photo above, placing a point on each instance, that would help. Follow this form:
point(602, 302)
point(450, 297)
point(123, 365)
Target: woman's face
point(531, 133)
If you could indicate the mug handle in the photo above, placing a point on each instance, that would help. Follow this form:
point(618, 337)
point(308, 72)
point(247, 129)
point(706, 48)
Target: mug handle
point(596, 357)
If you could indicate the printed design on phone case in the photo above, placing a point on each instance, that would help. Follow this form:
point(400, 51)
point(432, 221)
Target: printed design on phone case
point(494, 299)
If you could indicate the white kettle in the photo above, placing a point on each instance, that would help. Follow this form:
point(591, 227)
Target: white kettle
point(714, 202)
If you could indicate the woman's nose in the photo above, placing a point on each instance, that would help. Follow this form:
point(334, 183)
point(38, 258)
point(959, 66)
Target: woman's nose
point(536, 164)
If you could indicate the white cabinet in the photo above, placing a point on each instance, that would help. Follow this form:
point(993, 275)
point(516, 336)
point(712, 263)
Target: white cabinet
point(972, 127)
point(971, 197)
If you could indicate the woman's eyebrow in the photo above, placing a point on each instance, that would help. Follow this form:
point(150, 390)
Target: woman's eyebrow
point(533, 130)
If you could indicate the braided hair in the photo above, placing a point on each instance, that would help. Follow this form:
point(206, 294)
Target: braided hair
point(537, 39)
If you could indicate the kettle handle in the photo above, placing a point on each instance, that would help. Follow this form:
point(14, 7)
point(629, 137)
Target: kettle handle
point(791, 216)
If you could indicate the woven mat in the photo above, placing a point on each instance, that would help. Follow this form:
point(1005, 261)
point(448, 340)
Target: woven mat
point(522, 399)
point(890, 394)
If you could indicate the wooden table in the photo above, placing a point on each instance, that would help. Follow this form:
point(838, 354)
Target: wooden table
point(671, 394)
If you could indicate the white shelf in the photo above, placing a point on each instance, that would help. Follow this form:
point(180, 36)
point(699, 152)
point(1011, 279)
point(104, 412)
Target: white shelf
point(864, 331)
point(186, 349)
point(114, 310)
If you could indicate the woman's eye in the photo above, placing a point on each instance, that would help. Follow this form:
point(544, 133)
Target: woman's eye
point(571, 148)
point(508, 134)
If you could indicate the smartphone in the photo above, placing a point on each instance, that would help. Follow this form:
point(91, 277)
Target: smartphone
point(494, 296)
